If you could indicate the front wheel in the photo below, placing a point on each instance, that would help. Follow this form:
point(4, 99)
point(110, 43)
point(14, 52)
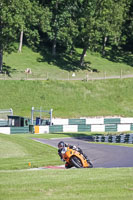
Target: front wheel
point(90, 164)
point(76, 162)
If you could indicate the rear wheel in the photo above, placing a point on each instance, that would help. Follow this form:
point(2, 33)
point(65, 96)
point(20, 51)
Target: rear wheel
point(76, 162)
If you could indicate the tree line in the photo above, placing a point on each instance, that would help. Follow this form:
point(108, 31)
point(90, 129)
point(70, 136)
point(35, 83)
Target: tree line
point(62, 25)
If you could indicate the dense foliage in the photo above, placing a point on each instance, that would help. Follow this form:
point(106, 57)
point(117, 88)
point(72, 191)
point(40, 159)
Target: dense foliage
point(62, 25)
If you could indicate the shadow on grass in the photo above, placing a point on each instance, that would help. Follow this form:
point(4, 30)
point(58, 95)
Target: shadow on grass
point(119, 56)
point(70, 62)
point(7, 70)
point(64, 61)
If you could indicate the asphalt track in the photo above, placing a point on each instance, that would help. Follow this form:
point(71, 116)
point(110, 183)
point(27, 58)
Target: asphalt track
point(101, 155)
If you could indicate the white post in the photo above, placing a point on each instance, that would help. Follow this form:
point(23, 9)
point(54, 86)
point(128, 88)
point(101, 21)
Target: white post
point(32, 112)
point(11, 110)
point(51, 110)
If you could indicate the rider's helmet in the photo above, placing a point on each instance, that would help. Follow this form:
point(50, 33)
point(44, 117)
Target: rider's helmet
point(61, 145)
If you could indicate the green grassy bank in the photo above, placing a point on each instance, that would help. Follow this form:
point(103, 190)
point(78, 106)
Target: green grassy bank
point(43, 65)
point(69, 99)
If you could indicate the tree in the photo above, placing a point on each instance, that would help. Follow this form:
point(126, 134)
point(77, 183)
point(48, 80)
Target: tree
point(69, 31)
point(20, 16)
point(88, 26)
point(60, 22)
point(63, 27)
point(8, 27)
point(101, 21)
point(37, 19)
point(112, 16)
point(127, 29)
point(10, 21)
point(34, 18)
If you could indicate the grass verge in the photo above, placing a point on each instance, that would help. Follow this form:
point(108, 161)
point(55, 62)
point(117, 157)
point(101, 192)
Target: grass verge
point(95, 184)
point(69, 99)
point(16, 151)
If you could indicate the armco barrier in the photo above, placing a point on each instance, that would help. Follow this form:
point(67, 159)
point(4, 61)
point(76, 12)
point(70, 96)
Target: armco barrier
point(14, 130)
point(93, 121)
point(111, 128)
point(55, 128)
point(112, 121)
point(131, 127)
point(5, 130)
point(76, 121)
point(70, 128)
point(3, 123)
point(90, 124)
point(84, 128)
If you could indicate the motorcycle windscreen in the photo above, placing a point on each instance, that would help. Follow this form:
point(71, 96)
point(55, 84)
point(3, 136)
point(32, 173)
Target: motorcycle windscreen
point(64, 150)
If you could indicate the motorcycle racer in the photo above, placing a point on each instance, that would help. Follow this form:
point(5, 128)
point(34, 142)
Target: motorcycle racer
point(62, 145)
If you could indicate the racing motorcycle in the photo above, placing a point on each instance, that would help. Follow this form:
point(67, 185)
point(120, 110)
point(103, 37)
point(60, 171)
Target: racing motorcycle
point(75, 158)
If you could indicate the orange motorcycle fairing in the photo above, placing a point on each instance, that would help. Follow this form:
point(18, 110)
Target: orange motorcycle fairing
point(72, 156)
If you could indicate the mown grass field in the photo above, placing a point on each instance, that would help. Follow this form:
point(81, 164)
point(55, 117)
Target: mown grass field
point(72, 99)
point(95, 184)
point(16, 151)
point(16, 182)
